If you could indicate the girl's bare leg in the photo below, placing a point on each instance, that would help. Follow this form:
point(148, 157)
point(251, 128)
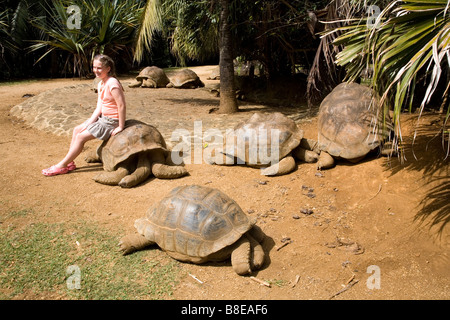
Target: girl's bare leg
point(76, 131)
point(76, 146)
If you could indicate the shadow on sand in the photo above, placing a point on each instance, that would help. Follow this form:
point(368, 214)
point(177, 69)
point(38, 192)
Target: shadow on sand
point(428, 154)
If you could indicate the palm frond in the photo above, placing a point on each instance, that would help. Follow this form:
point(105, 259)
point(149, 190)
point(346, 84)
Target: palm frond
point(194, 29)
point(412, 40)
point(60, 37)
point(106, 26)
point(6, 42)
point(149, 23)
point(341, 18)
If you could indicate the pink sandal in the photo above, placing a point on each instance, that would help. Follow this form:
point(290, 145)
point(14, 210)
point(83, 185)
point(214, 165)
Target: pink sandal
point(71, 166)
point(54, 170)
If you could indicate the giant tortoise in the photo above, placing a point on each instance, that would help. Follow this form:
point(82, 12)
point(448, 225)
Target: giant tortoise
point(151, 77)
point(185, 79)
point(133, 154)
point(198, 224)
point(350, 125)
point(267, 141)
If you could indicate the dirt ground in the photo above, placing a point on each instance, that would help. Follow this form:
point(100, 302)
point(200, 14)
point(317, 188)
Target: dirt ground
point(373, 230)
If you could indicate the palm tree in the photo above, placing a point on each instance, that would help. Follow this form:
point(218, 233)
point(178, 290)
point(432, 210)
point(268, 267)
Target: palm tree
point(192, 39)
point(228, 103)
point(411, 39)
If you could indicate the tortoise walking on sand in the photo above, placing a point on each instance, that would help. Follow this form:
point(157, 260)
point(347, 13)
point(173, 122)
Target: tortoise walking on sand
point(132, 155)
point(151, 77)
point(185, 79)
point(350, 125)
point(267, 141)
point(198, 224)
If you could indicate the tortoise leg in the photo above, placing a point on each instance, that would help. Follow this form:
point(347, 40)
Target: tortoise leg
point(256, 233)
point(310, 144)
point(111, 178)
point(240, 257)
point(135, 84)
point(326, 161)
point(149, 83)
point(388, 149)
point(139, 175)
point(284, 166)
point(94, 156)
point(305, 155)
point(216, 156)
point(307, 151)
point(133, 242)
point(257, 253)
point(161, 170)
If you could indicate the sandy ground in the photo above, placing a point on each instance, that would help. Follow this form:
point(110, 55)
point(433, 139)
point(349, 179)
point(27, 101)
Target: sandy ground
point(369, 232)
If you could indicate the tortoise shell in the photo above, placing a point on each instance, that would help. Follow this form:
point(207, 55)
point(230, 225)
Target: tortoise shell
point(195, 221)
point(215, 74)
point(257, 132)
point(136, 137)
point(154, 73)
point(347, 122)
point(185, 78)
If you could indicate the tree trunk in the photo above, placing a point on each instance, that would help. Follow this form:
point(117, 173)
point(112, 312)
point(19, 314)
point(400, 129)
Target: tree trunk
point(228, 102)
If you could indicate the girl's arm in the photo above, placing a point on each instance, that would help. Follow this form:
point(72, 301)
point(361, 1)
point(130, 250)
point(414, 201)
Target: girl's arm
point(97, 112)
point(118, 95)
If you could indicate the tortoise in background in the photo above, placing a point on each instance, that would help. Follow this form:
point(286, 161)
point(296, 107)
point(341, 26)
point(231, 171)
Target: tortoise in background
point(132, 155)
point(185, 79)
point(151, 77)
point(215, 74)
point(350, 125)
point(198, 224)
point(269, 141)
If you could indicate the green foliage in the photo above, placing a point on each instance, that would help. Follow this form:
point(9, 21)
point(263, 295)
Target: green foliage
point(15, 32)
point(190, 26)
point(409, 40)
point(149, 24)
point(280, 34)
point(277, 33)
point(194, 30)
point(106, 27)
point(335, 18)
point(36, 259)
point(271, 31)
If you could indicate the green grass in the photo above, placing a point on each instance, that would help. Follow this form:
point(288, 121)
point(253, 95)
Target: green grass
point(20, 213)
point(277, 282)
point(37, 259)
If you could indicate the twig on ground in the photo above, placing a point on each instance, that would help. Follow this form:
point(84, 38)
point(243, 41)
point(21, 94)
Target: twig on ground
point(283, 245)
point(379, 189)
point(350, 284)
point(265, 283)
point(297, 278)
point(196, 278)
